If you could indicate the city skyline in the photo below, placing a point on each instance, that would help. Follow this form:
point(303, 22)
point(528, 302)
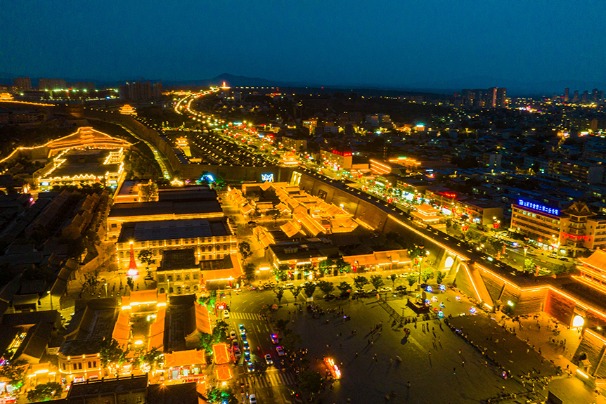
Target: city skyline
point(416, 46)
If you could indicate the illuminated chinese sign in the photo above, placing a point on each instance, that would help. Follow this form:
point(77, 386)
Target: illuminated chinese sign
point(539, 207)
point(267, 177)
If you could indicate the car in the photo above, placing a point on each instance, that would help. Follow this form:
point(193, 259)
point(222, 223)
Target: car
point(385, 289)
point(247, 355)
point(252, 399)
point(245, 345)
point(250, 366)
point(232, 334)
point(234, 343)
point(289, 285)
point(237, 352)
point(268, 359)
point(274, 338)
point(242, 329)
point(244, 337)
point(329, 296)
point(280, 351)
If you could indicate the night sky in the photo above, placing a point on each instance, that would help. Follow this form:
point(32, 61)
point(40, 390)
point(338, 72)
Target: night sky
point(414, 44)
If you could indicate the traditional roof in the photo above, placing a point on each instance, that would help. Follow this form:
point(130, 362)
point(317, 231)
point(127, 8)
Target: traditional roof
point(597, 260)
point(185, 358)
point(221, 354)
point(203, 323)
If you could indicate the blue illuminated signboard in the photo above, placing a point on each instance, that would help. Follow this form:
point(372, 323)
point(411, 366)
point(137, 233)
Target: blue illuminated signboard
point(539, 207)
point(267, 177)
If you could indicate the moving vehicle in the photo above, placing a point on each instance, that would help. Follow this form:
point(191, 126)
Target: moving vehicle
point(280, 351)
point(268, 359)
point(226, 314)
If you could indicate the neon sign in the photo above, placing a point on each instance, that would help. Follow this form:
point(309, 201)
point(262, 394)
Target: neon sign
point(267, 177)
point(539, 207)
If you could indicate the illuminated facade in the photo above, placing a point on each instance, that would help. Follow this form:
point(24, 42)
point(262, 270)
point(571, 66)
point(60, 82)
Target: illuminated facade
point(128, 110)
point(83, 167)
point(569, 231)
point(337, 159)
point(211, 239)
point(172, 204)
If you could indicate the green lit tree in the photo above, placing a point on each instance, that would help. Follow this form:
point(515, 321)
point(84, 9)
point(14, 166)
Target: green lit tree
point(45, 392)
point(112, 353)
point(411, 278)
point(15, 373)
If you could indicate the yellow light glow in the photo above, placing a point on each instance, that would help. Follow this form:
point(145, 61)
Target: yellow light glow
point(578, 321)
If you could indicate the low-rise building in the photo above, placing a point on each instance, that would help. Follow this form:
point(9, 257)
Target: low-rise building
point(210, 239)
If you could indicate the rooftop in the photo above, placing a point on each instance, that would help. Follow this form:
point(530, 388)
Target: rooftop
point(173, 229)
point(174, 207)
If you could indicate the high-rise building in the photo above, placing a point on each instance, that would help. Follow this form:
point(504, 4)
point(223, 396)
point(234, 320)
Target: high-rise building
point(140, 90)
point(575, 96)
point(501, 97)
point(22, 83)
point(585, 97)
point(566, 94)
point(51, 84)
point(494, 97)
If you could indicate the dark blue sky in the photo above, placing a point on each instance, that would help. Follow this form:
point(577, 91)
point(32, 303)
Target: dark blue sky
point(402, 43)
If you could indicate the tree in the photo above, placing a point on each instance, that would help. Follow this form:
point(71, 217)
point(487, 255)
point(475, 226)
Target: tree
point(326, 265)
point(342, 266)
point(14, 372)
point(245, 250)
point(111, 352)
point(310, 381)
point(412, 278)
point(309, 289)
point(152, 357)
point(326, 287)
point(376, 281)
point(529, 265)
point(45, 392)
point(426, 275)
point(146, 257)
point(440, 277)
point(279, 291)
point(223, 396)
point(91, 281)
point(280, 272)
point(393, 278)
point(360, 281)
point(249, 271)
point(344, 287)
point(148, 192)
point(296, 291)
